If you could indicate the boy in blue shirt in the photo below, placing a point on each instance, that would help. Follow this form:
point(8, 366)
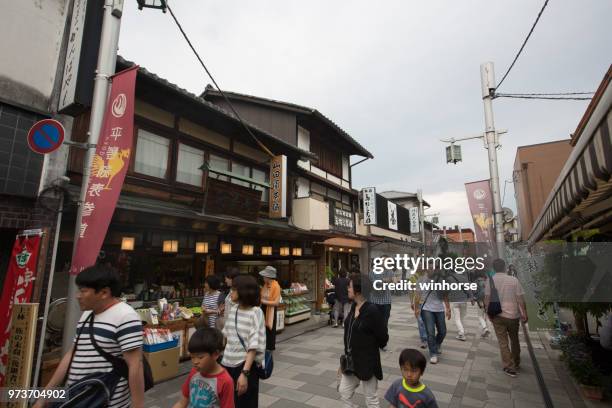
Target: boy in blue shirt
point(409, 392)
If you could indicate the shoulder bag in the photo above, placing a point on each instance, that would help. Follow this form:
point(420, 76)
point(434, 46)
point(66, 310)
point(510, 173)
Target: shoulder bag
point(263, 371)
point(347, 364)
point(494, 308)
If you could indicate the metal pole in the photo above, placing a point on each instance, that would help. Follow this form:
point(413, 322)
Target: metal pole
point(487, 77)
point(107, 58)
point(41, 342)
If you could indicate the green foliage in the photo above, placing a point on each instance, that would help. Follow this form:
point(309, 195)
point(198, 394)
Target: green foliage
point(579, 361)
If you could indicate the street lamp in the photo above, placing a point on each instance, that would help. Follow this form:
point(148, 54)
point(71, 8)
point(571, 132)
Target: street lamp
point(154, 4)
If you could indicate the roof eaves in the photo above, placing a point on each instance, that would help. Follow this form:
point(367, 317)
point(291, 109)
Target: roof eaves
point(208, 105)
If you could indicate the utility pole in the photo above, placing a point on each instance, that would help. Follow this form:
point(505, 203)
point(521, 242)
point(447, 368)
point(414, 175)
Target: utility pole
point(107, 59)
point(487, 78)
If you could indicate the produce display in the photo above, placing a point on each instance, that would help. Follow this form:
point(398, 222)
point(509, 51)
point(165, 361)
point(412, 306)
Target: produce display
point(297, 304)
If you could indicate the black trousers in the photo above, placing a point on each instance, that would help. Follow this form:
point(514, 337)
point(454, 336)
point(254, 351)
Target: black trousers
point(270, 333)
point(250, 399)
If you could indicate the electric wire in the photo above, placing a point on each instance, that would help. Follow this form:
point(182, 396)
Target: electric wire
point(550, 98)
point(180, 27)
point(522, 46)
point(546, 93)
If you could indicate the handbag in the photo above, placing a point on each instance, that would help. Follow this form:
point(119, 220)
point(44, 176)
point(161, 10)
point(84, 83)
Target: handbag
point(494, 308)
point(263, 371)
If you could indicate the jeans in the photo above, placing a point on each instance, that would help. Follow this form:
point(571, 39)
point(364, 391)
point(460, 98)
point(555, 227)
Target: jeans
point(348, 385)
point(459, 311)
point(422, 329)
point(433, 321)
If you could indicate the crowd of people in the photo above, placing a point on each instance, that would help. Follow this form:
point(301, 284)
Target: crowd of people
point(236, 336)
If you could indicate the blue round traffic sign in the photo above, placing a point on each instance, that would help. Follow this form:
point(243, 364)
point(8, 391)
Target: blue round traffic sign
point(46, 136)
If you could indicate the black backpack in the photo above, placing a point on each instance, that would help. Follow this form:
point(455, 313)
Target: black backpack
point(97, 389)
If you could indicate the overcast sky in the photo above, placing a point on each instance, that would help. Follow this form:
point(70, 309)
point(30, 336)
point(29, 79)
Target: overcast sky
point(396, 75)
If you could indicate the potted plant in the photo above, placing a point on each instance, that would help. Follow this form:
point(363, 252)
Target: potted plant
point(579, 361)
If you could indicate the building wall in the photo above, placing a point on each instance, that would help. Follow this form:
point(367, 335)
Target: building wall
point(281, 124)
point(536, 169)
point(32, 31)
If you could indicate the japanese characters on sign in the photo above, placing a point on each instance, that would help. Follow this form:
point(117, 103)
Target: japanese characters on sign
point(342, 220)
point(392, 214)
point(415, 222)
point(369, 205)
point(18, 287)
point(107, 171)
point(21, 348)
point(278, 187)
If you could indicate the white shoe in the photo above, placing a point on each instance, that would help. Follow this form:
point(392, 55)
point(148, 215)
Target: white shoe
point(485, 334)
point(460, 337)
point(423, 345)
point(433, 360)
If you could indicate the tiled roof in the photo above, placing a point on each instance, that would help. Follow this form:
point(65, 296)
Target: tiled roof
point(124, 63)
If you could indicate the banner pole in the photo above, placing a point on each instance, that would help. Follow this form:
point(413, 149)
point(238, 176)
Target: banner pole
point(107, 59)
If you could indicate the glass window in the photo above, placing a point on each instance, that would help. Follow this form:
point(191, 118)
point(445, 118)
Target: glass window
point(241, 170)
point(188, 169)
point(346, 199)
point(262, 176)
point(151, 154)
point(218, 163)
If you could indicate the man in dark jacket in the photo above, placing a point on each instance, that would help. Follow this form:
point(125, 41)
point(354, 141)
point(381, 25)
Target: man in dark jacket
point(364, 334)
point(343, 303)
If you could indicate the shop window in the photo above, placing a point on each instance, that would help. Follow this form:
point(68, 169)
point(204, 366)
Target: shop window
point(218, 163)
point(319, 189)
point(151, 154)
point(242, 170)
point(188, 169)
point(262, 176)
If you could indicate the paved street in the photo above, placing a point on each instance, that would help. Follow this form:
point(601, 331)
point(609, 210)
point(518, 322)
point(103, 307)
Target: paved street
point(468, 375)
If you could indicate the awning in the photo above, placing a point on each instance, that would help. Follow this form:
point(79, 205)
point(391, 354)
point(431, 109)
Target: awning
point(582, 194)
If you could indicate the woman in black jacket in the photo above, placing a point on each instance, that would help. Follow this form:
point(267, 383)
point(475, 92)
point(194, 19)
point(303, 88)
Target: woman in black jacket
point(364, 335)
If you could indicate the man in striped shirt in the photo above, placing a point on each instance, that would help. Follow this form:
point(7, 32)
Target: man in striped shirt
point(117, 330)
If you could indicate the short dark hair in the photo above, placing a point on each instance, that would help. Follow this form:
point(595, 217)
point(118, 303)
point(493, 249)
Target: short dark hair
point(248, 290)
point(213, 282)
point(98, 277)
point(499, 265)
point(232, 273)
point(414, 358)
point(357, 280)
point(206, 340)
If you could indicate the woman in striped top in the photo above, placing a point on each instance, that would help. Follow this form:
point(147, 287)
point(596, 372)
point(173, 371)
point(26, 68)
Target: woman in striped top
point(210, 303)
point(246, 340)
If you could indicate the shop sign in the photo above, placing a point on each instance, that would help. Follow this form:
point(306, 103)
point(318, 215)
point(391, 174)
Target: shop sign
point(18, 288)
point(227, 198)
point(21, 348)
point(369, 205)
point(415, 222)
point(278, 187)
point(107, 171)
point(392, 215)
point(341, 220)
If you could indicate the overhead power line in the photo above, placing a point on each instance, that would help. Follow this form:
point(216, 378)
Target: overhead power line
point(550, 98)
point(524, 43)
point(259, 143)
point(545, 94)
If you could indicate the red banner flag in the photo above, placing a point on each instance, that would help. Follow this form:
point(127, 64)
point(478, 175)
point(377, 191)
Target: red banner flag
point(18, 287)
point(481, 207)
point(108, 170)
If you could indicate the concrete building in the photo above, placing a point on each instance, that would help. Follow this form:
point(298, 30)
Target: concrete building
point(456, 234)
point(536, 168)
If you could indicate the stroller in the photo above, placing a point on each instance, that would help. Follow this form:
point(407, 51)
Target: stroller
point(330, 298)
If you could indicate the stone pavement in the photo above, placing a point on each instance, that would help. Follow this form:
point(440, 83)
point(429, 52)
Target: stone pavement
point(469, 373)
